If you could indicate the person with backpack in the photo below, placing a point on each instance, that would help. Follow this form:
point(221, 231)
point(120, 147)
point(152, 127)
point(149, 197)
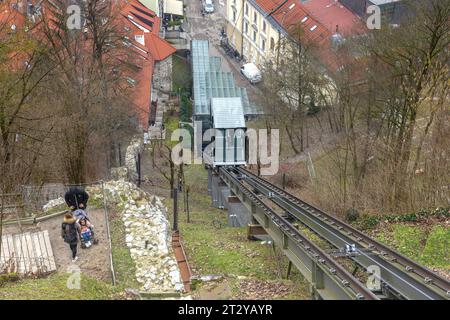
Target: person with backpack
point(70, 231)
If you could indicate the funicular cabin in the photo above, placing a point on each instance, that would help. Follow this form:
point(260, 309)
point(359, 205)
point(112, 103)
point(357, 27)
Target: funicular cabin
point(227, 147)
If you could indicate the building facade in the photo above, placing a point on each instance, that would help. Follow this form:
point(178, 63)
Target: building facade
point(250, 32)
point(259, 29)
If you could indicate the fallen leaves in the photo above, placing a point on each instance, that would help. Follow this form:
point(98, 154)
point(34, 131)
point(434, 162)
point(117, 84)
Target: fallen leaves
point(263, 290)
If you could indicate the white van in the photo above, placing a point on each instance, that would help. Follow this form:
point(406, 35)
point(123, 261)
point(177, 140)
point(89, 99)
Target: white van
point(208, 6)
point(251, 72)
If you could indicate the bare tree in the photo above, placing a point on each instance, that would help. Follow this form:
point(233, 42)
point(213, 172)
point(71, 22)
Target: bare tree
point(414, 61)
point(89, 74)
point(291, 89)
point(387, 107)
point(22, 127)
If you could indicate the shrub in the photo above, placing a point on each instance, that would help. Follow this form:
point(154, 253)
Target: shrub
point(369, 222)
point(351, 215)
point(8, 277)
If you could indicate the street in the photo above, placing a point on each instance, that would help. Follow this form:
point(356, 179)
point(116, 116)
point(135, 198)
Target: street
point(208, 27)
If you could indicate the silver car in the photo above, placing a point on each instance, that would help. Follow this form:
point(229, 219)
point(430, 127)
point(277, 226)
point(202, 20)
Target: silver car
point(208, 6)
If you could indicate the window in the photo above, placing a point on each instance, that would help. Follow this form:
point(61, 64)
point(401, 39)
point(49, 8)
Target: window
point(263, 44)
point(255, 17)
point(246, 27)
point(304, 19)
point(234, 16)
point(246, 9)
point(272, 44)
point(264, 27)
point(139, 38)
point(131, 81)
point(314, 27)
point(254, 35)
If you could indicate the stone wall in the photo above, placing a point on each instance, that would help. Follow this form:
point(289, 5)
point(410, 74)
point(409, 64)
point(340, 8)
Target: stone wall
point(148, 235)
point(162, 76)
point(135, 147)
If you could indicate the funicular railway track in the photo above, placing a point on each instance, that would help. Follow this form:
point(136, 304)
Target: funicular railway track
point(400, 277)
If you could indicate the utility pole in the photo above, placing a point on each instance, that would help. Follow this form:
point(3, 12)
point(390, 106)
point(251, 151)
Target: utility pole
point(120, 154)
point(187, 205)
point(175, 209)
point(138, 169)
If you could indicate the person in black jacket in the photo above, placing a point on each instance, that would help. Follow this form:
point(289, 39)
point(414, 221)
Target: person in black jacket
point(76, 198)
point(70, 232)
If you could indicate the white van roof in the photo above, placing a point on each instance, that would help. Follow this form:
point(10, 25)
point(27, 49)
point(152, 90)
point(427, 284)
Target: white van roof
point(251, 68)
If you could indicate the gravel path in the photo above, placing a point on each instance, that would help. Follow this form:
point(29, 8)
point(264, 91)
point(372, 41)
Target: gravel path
point(93, 261)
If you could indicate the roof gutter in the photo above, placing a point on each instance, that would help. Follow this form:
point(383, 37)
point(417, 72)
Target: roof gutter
point(277, 8)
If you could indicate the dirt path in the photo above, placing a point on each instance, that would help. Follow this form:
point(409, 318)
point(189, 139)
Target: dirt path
point(94, 261)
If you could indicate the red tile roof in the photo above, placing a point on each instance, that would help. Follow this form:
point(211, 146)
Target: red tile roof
point(159, 48)
point(331, 13)
point(291, 16)
point(137, 17)
point(10, 17)
point(134, 20)
point(13, 22)
point(313, 23)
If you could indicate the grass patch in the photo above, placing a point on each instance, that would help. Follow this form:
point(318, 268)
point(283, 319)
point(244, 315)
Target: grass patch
point(124, 266)
point(54, 287)
point(181, 73)
point(437, 248)
point(409, 240)
point(428, 247)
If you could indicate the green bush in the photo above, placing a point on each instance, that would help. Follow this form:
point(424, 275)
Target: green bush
point(369, 222)
point(8, 277)
point(185, 108)
point(351, 215)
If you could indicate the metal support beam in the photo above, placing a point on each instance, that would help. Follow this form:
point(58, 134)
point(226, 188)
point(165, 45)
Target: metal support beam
point(407, 284)
point(255, 230)
point(334, 281)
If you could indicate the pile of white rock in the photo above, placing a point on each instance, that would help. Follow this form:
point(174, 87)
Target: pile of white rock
point(134, 148)
point(148, 236)
point(53, 204)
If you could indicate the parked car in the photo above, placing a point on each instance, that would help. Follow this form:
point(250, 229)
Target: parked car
point(251, 72)
point(208, 6)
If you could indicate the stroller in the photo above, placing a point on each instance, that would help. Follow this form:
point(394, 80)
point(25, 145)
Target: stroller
point(87, 235)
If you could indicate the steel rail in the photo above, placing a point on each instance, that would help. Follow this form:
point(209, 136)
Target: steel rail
point(330, 279)
point(402, 275)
